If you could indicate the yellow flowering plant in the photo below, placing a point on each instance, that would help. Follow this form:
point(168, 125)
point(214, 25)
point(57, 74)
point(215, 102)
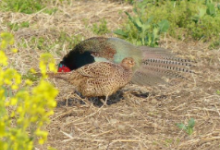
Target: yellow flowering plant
point(23, 111)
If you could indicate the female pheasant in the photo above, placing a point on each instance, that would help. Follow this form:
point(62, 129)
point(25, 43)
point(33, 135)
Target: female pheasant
point(99, 78)
point(153, 65)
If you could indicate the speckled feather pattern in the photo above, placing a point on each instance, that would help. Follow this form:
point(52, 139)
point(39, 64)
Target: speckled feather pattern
point(99, 78)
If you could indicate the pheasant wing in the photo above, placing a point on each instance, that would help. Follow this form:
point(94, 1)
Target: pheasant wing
point(97, 70)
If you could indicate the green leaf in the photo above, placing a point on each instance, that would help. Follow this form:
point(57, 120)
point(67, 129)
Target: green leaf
point(136, 23)
point(191, 123)
point(149, 20)
point(189, 131)
point(211, 9)
point(135, 11)
point(7, 91)
point(163, 26)
point(181, 126)
point(121, 33)
point(218, 6)
point(202, 12)
point(156, 33)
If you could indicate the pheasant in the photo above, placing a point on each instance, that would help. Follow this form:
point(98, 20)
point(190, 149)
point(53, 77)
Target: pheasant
point(153, 65)
point(99, 78)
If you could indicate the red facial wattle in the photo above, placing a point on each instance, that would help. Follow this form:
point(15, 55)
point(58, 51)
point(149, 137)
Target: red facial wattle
point(63, 68)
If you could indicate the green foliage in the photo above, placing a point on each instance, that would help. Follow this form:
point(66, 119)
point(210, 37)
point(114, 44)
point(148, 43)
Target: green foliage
point(130, 1)
point(65, 38)
point(215, 44)
point(191, 18)
point(187, 128)
point(142, 32)
point(187, 19)
point(23, 111)
point(46, 44)
point(50, 11)
point(29, 76)
point(24, 6)
point(16, 26)
point(39, 42)
point(101, 28)
point(168, 142)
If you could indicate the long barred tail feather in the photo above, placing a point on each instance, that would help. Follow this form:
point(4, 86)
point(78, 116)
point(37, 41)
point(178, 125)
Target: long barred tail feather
point(159, 65)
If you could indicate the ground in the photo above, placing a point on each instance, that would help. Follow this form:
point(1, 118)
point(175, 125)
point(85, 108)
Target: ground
point(130, 122)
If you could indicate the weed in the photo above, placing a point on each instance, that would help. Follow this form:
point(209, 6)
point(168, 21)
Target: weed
point(85, 22)
point(50, 11)
point(142, 32)
point(187, 128)
point(168, 142)
point(130, 1)
point(23, 43)
point(62, 40)
point(64, 37)
point(101, 28)
point(214, 44)
point(29, 76)
point(16, 26)
point(39, 42)
point(193, 18)
point(24, 6)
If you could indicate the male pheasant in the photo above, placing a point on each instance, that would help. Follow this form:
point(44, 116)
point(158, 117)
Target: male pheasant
point(153, 65)
point(99, 78)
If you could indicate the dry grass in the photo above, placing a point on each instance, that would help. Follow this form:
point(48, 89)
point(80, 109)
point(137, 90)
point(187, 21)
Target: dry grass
point(131, 122)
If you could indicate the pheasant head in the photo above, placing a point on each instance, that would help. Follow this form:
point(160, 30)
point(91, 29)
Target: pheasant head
point(63, 68)
point(128, 63)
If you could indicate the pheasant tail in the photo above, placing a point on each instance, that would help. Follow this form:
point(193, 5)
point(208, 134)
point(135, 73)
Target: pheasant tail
point(159, 65)
point(61, 75)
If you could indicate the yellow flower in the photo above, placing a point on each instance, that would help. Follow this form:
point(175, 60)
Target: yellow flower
point(42, 134)
point(47, 59)
point(8, 81)
point(4, 59)
point(3, 44)
point(30, 106)
point(43, 67)
point(14, 50)
point(2, 128)
point(17, 78)
point(52, 67)
point(8, 38)
point(28, 82)
point(32, 70)
point(14, 87)
point(14, 101)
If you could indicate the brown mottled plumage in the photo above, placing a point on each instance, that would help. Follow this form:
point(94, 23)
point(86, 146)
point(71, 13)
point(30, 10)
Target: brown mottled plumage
point(153, 65)
point(99, 78)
